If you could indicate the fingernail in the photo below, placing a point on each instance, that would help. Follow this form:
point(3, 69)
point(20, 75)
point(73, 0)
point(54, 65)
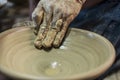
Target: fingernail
point(38, 44)
point(56, 44)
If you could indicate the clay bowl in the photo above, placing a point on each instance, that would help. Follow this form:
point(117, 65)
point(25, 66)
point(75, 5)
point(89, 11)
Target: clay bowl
point(83, 55)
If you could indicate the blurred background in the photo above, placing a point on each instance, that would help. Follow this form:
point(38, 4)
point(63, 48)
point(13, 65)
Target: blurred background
point(15, 11)
point(12, 12)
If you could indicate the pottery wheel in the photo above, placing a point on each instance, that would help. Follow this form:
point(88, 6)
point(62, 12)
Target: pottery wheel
point(82, 54)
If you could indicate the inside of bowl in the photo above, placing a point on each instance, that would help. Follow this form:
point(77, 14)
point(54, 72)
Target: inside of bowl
point(81, 52)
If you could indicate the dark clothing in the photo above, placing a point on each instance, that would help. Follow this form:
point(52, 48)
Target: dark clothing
point(103, 19)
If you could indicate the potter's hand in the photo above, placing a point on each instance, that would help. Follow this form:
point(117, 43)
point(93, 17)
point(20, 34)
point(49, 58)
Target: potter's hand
point(52, 18)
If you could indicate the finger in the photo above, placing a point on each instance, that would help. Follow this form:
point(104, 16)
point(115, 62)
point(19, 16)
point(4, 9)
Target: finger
point(51, 34)
point(38, 20)
point(57, 17)
point(49, 16)
point(37, 17)
point(61, 34)
point(53, 28)
point(40, 37)
point(41, 33)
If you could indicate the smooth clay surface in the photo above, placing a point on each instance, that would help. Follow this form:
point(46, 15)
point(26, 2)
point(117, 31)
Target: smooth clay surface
point(83, 55)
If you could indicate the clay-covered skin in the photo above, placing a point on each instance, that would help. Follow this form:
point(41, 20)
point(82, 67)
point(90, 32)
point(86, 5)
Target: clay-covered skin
point(52, 18)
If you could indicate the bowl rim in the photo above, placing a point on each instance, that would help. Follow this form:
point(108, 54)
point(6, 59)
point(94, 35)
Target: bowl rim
point(94, 73)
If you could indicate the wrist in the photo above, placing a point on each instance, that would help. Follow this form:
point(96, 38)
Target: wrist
point(81, 1)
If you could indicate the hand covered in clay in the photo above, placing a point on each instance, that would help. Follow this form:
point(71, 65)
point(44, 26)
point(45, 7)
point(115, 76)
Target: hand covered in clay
point(52, 18)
